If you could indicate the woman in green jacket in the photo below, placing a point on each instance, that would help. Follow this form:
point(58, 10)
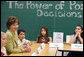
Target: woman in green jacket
point(12, 37)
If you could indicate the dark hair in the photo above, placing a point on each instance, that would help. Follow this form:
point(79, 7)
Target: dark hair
point(79, 26)
point(11, 20)
point(46, 36)
point(20, 30)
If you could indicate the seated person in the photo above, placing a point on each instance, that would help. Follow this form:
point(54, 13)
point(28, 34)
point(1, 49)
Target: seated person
point(12, 36)
point(21, 39)
point(3, 43)
point(43, 37)
point(78, 35)
point(77, 39)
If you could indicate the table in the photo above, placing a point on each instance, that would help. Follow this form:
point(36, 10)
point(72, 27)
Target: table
point(33, 49)
point(67, 48)
point(46, 51)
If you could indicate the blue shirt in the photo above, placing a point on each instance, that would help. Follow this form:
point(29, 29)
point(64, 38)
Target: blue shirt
point(76, 42)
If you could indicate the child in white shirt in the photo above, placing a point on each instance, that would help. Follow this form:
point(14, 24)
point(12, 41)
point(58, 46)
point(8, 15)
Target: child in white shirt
point(22, 42)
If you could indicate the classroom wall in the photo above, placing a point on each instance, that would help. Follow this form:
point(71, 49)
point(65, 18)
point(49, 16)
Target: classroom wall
point(58, 16)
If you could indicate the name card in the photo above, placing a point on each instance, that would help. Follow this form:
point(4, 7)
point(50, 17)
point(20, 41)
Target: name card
point(39, 50)
point(42, 45)
point(34, 54)
point(76, 45)
point(55, 44)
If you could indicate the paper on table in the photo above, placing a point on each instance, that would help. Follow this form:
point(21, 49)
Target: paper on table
point(39, 50)
point(58, 37)
point(34, 54)
point(68, 38)
point(76, 45)
point(42, 45)
point(56, 45)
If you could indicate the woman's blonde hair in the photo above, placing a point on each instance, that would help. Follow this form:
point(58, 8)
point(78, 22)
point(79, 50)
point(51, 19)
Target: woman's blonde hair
point(2, 33)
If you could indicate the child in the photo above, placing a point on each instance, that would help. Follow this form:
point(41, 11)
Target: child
point(78, 35)
point(77, 39)
point(3, 43)
point(43, 37)
point(12, 37)
point(21, 38)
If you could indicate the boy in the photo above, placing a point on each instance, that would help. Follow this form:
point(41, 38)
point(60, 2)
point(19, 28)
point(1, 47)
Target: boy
point(22, 42)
